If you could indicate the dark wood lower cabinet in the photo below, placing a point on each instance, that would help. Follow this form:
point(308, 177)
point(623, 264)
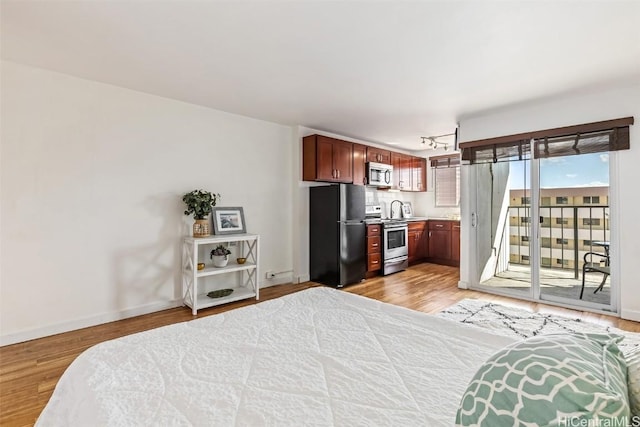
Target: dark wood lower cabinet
point(444, 242)
point(455, 242)
point(437, 242)
point(417, 241)
point(374, 249)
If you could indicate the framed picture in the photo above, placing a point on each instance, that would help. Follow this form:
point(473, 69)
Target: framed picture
point(228, 221)
point(407, 210)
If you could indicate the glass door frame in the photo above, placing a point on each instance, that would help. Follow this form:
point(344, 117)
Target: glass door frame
point(535, 245)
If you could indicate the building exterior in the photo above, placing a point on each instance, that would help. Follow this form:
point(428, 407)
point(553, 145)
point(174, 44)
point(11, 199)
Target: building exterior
point(573, 222)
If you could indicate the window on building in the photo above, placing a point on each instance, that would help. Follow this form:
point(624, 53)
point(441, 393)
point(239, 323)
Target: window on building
point(560, 261)
point(525, 200)
point(546, 201)
point(590, 221)
point(546, 262)
point(525, 257)
point(524, 238)
point(562, 221)
point(591, 199)
point(562, 200)
point(587, 242)
point(546, 242)
point(525, 219)
point(562, 241)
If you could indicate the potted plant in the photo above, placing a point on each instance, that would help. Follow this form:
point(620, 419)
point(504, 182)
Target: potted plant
point(220, 256)
point(199, 204)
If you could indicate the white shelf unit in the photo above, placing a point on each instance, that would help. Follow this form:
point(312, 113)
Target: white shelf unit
point(197, 249)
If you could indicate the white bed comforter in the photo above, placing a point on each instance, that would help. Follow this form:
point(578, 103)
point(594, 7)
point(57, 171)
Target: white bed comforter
point(316, 357)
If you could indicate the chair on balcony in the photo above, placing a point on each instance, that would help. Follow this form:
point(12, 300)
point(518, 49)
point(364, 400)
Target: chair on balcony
point(593, 264)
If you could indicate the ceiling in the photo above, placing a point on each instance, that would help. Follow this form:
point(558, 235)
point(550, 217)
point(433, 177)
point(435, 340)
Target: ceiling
point(386, 71)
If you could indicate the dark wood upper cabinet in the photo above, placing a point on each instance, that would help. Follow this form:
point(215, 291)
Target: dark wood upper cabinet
point(378, 155)
point(333, 160)
point(418, 174)
point(327, 159)
point(401, 171)
point(359, 164)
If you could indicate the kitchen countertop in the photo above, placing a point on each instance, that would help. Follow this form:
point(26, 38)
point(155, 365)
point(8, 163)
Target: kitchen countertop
point(412, 219)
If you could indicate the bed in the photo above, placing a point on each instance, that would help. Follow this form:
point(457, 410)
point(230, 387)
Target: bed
point(316, 357)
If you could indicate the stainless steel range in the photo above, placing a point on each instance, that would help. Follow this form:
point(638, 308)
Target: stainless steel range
point(395, 252)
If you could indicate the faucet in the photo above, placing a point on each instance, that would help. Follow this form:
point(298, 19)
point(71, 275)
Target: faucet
point(391, 208)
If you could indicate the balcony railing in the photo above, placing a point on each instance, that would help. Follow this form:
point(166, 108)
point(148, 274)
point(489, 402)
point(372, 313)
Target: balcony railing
point(566, 232)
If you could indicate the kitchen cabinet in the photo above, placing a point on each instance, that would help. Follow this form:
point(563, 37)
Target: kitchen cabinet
point(241, 278)
point(418, 174)
point(440, 240)
point(374, 247)
point(401, 171)
point(455, 242)
point(378, 155)
point(359, 164)
point(417, 241)
point(444, 242)
point(327, 159)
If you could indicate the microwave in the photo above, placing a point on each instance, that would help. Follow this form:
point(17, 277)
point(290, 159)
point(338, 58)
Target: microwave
point(379, 174)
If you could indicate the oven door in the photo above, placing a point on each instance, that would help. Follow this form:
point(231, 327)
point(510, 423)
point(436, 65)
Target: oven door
point(395, 242)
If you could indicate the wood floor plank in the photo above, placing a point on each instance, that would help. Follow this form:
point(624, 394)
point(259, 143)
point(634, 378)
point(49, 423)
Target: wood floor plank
point(29, 371)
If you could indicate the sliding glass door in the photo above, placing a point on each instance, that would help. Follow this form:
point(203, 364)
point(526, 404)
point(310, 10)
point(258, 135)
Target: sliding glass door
point(542, 228)
point(575, 230)
point(503, 218)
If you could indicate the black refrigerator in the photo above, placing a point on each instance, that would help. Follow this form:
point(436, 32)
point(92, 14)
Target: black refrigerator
point(337, 234)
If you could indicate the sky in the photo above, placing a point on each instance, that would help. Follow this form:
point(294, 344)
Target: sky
point(585, 170)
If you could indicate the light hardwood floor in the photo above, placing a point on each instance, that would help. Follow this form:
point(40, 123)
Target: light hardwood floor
point(29, 371)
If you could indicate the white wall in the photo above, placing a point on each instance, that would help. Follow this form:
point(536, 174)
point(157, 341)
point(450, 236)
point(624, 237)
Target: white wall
point(573, 109)
point(91, 182)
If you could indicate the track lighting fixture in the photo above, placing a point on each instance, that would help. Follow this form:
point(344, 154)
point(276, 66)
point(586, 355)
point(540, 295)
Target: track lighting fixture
point(433, 143)
point(436, 144)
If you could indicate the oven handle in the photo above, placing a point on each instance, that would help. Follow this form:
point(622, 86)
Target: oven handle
point(396, 227)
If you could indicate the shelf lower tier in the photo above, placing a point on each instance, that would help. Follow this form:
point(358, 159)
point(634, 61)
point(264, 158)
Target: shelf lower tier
point(229, 268)
point(203, 301)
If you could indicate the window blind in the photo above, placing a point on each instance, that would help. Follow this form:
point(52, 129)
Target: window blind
point(447, 186)
point(608, 135)
point(445, 161)
point(593, 142)
point(503, 152)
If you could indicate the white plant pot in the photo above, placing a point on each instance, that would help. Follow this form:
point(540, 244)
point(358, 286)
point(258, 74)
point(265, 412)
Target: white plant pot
point(220, 260)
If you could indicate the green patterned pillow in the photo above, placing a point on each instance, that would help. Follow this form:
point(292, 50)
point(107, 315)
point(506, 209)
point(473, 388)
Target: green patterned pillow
point(549, 380)
point(633, 380)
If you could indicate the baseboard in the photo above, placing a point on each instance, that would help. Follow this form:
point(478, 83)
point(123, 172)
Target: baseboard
point(72, 325)
point(630, 315)
point(463, 285)
point(32, 334)
point(302, 278)
point(280, 279)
